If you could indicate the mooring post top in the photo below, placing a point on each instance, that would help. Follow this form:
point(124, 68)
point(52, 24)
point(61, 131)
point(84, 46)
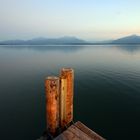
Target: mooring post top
point(52, 78)
point(67, 69)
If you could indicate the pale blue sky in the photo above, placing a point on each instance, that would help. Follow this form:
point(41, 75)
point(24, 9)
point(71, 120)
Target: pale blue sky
point(87, 19)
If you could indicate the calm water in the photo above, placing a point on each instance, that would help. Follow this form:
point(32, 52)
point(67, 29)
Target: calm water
point(107, 88)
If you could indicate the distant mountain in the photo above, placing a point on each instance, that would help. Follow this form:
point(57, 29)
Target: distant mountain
point(66, 40)
point(12, 42)
point(45, 41)
point(133, 39)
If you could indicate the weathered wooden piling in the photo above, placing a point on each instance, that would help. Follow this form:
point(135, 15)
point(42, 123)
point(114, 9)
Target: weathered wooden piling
point(59, 110)
point(52, 104)
point(66, 96)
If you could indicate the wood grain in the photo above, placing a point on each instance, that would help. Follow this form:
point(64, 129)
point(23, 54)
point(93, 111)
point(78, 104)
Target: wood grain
point(66, 96)
point(52, 104)
point(79, 131)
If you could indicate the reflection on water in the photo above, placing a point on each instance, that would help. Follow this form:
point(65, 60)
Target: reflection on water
point(107, 88)
point(70, 48)
point(63, 48)
point(129, 48)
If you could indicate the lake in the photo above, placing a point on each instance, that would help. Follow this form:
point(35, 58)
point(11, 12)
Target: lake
point(107, 88)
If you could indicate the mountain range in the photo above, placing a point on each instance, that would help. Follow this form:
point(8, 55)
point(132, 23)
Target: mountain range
point(133, 39)
point(44, 41)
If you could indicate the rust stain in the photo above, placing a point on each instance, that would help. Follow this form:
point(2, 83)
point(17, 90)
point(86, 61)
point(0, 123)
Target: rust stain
point(52, 104)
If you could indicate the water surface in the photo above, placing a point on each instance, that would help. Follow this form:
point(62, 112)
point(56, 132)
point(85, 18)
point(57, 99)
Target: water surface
point(107, 88)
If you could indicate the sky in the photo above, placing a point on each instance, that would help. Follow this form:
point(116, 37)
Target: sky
point(86, 19)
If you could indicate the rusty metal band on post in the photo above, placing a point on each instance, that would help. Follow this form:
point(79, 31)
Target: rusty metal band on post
point(52, 104)
point(66, 96)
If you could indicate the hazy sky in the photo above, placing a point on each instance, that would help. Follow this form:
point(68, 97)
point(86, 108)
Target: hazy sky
point(87, 19)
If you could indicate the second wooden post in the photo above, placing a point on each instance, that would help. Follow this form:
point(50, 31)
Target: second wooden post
point(66, 96)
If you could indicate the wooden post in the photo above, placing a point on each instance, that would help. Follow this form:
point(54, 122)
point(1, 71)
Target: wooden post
point(66, 96)
point(52, 104)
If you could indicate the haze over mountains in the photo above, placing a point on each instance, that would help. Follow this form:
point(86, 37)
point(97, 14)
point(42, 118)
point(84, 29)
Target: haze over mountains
point(133, 39)
point(45, 41)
